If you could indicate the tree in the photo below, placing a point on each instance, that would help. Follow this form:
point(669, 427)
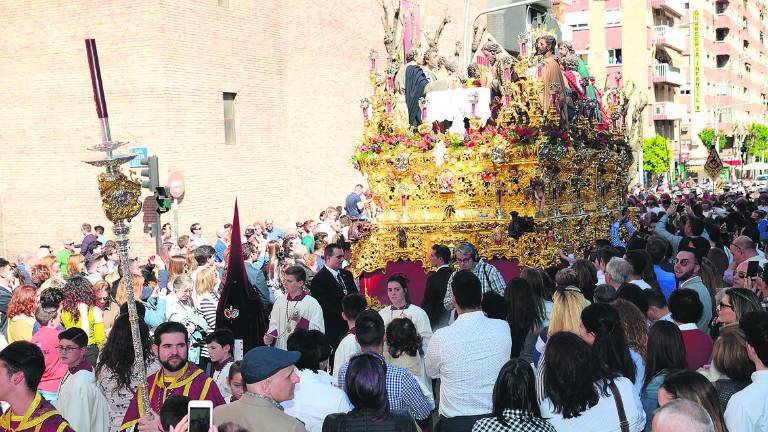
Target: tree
point(656, 155)
point(757, 140)
point(707, 137)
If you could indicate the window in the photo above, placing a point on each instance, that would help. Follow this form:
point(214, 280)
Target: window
point(577, 20)
point(614, 56)
point(721, 34)
point(612, 17)
point(685, 92)
point(761, 37)
point(745, 43)
point(721, 7)
point(722, 61)
point(230, 135)
point(747, 68)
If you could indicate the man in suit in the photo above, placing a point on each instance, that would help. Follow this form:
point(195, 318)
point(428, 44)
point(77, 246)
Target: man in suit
point(437, 283)
point(328, 287)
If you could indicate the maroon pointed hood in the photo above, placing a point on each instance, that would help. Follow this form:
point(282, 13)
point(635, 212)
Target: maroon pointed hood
point(240, 307)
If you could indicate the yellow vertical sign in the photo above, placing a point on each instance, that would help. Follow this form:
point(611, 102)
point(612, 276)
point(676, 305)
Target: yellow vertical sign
point(696, 67)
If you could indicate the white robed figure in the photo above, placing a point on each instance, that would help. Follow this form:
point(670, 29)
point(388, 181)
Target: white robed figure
point(401, 307)
point(79, 399)
point(296, 310)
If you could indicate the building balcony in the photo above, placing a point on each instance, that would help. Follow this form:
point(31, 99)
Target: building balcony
point(675, 7)
point(669, 37)
point(669, 111)
point(665, 73)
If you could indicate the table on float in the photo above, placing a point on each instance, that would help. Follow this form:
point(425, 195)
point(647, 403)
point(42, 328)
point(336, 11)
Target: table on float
point(454, 105)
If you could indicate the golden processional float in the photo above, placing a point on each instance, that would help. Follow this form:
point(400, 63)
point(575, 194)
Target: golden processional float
point(518, 187)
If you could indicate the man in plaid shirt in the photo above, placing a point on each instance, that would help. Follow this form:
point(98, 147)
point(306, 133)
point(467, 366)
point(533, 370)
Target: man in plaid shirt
point(403, 390)
point(467, 258)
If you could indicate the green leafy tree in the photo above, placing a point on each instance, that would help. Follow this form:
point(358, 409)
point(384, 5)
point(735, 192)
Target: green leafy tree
point(656, 155)
point(757, 140)
point(707, 137)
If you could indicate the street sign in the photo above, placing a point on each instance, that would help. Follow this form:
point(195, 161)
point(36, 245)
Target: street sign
point(141, 153)
point(176, 184)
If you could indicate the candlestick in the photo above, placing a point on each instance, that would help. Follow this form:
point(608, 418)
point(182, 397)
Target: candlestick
point(423, 105)
point(389, 106)
point(372, 56)
point(507, 98)
point(403, 209)
point(507, 74)
point(365, 103)
point(474, 98)
point(390, 82)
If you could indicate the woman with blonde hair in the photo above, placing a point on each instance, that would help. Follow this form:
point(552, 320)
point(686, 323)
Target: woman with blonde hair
point(75, 265)
point(109, 307)
point(273, 267)
point(155, 305)
point(568, 302)
point(207, 287)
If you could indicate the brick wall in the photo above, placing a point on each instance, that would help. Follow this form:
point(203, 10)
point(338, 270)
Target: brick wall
point(298, 68)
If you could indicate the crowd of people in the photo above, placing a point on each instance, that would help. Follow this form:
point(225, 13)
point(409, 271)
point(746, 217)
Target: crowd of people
point(660, 326)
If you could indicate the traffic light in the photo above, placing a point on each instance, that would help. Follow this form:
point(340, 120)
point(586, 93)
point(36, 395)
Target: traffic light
point(150, 173)
point(163, 199)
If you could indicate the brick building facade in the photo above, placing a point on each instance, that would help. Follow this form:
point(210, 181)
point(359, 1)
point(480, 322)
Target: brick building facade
point(298, 70)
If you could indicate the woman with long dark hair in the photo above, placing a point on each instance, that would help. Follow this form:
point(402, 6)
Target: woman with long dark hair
point(541, 290)
point(525, 315)
point(404, 350)
point(581, 394)
point(694, 387)
point(366, 385)
point(601, 328)
point(115, 375)
point(514, 402)
point(665, 354)
point(80, 308)
point(586, 274)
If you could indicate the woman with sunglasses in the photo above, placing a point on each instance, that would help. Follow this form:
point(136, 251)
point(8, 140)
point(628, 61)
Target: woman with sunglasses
point(735, 303)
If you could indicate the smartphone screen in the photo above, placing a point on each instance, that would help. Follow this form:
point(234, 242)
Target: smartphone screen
point(199, 419)
point(752, 268)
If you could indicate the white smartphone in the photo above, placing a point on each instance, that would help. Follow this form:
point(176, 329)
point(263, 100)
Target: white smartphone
point(200, 415)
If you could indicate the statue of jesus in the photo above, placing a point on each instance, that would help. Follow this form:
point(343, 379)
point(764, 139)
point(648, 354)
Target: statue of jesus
point(549, 72)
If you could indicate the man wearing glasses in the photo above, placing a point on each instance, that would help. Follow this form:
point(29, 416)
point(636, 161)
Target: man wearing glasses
point(743, 250)
point(79, 400)
point(688, 273)
point(197, 235)
point(467, 258)
point(62, 255)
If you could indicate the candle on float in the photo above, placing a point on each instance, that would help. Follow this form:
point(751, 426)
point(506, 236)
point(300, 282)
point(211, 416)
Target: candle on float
point(365, 113)
point(507, 74)
point(524, 48)
point(390, 82)
point(98, 88)
point(507, 98)
point(424, 114)
point(372, 60)
point(389, 106)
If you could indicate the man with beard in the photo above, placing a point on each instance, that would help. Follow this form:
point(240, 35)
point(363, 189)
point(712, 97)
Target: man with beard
point(688, 262)
point(549, 73)
point(176, 377)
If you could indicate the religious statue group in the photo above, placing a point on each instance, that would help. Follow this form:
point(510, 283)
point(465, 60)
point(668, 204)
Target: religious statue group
point(564, 75)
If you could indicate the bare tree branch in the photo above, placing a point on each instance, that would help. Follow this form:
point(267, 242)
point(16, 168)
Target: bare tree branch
point(477, 37)
point(432, 41)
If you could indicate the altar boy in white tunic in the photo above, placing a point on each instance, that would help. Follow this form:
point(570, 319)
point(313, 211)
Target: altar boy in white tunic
point(401, 307)
point(79, 400)
point(296, 310)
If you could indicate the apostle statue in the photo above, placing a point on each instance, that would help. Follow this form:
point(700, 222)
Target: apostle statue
point(586, 82)
point(499, 60)
point(549, 73)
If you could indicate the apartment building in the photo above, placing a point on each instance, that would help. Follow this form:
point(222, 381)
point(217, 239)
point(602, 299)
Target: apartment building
point(727, 53)
point(690, 59)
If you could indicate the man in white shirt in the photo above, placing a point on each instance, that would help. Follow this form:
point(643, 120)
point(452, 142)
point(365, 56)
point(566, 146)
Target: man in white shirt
point(351, 306)
point(747, 410)
point(79, 399)
point(467, 356)
point(638, 259)
point(315, 396)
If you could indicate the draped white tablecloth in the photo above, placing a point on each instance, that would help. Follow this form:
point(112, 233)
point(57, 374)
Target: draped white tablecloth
point(454, 105)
